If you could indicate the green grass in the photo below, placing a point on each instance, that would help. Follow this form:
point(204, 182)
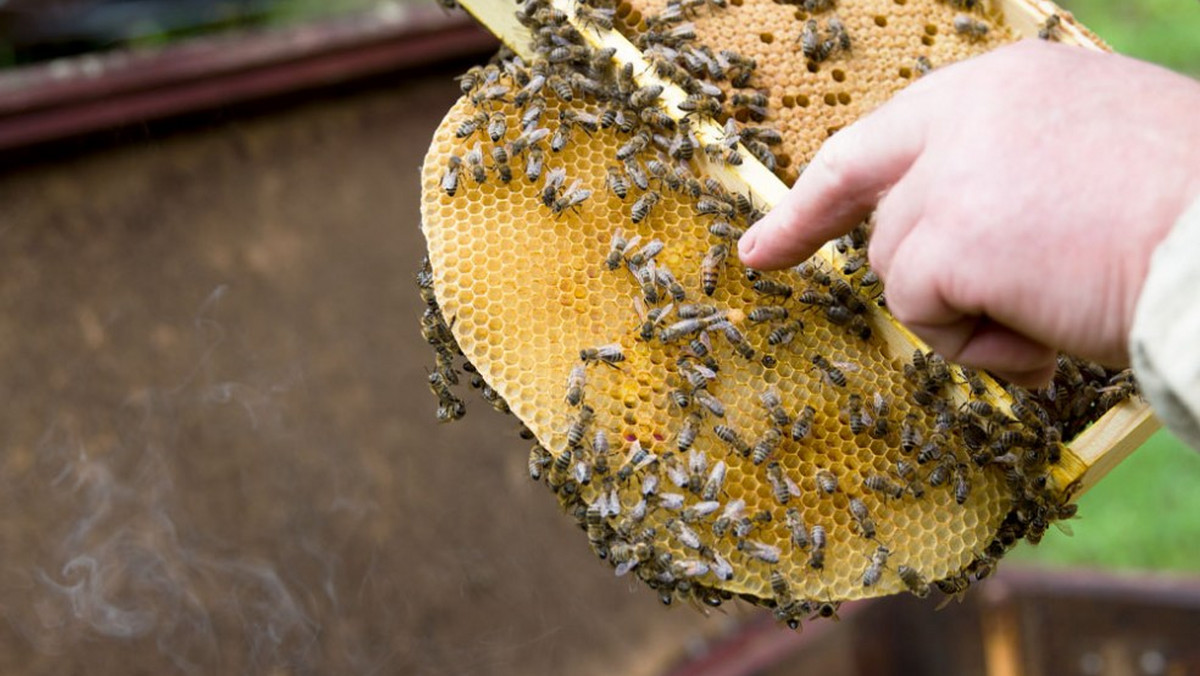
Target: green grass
point(1162, 31)
point(1143, 515)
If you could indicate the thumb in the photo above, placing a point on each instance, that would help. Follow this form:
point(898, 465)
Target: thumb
point(840, 187)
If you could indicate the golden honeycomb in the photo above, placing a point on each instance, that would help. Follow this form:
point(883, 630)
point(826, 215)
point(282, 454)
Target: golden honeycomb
point(809, 101)
point(521, 280)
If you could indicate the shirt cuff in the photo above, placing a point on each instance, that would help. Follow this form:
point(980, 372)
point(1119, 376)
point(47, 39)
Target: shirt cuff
point(1164, 342)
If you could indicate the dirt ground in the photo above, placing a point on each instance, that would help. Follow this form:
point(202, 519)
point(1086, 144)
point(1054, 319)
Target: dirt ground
point(218, 451)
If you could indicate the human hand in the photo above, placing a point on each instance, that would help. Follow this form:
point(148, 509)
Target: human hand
point(1018, 197)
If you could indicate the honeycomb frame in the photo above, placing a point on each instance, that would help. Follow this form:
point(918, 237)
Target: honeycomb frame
point(563, 254)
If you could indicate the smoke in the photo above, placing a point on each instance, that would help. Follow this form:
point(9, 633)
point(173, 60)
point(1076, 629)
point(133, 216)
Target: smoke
point(117, 556)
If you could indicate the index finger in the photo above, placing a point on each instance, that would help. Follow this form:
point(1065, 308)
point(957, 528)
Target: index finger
point(840, 187)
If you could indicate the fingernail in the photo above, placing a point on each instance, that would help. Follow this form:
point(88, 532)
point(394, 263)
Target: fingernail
point(746, 244)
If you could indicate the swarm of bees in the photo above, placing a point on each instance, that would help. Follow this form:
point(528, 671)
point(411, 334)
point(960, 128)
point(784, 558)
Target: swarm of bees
point(722, 431)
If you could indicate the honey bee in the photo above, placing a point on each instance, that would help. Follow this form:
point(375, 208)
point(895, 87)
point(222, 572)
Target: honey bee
point(733, 511)
point(647, 253)
point(691, 427)
point(972, 29)
point(450, 176)
point(694, 310)
point(974, 382)
point(854, 412)
point(561, 137)
point(875, 571)
point(497, 126)
point(500, 164)
point(650, 319)
point(682, 328)
point(533, 165)
point(688, 567)
point(913, 581)
point(553, 185)
point(779, 485)
point(796, 527)
point(701, 106)
point(862, 518)
point(766, 313)
point(634, 145)
point(883, 485)
point(575, 383)
point(924, 66)
point(489, 94)
point(672, 285)
point(931, 451)
point(827, 481)
point(616, 250)
point(711, 403)
point(783, 335)
point(803, 424)
point(759, 550)
point(714, 483)
point(962, 484)
point(724, 230)
point(710, 268)
point(772, 401)
point(570, 199)
point(721, 568)
point(700, 510)
point(730, 436)
point(882, 408)
point(600, 445)
point(618, 184)
point(562, 462)
point(539, 459)
point(940, 474)
point(736, 339)
point(530, 138)
point(608, 354)
point(647, 280)
point(838, 33)
point(766, 446)
point(719, 207)
point(770, 287)
point(811, 44)
point(816, 558)
point(644, 97)
point(642, 207)
point(469, 125)
point(686, 536)
point(832, 373)
point(471, 79)
point(579, 426)
point(722, 154)
point(595, 17)
point(475, 162)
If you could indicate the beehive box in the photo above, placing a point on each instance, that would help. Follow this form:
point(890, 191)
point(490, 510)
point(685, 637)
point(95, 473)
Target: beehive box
point(717, 430)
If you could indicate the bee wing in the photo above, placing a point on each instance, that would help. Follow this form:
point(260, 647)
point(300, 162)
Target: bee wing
point(793, 489)
point(677, 476)
point(847, 366)
point(697, 461)
point(703, 370)
point(640, 307)
point(633, 242)
point(734, 509)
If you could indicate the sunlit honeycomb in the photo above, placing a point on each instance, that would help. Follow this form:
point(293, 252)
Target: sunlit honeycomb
point(525, 287)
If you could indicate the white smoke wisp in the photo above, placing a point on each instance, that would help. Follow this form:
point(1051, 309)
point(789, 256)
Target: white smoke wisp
point(120, 559)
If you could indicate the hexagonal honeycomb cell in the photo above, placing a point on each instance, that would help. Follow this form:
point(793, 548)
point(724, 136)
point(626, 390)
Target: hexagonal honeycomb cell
point(762, 440)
